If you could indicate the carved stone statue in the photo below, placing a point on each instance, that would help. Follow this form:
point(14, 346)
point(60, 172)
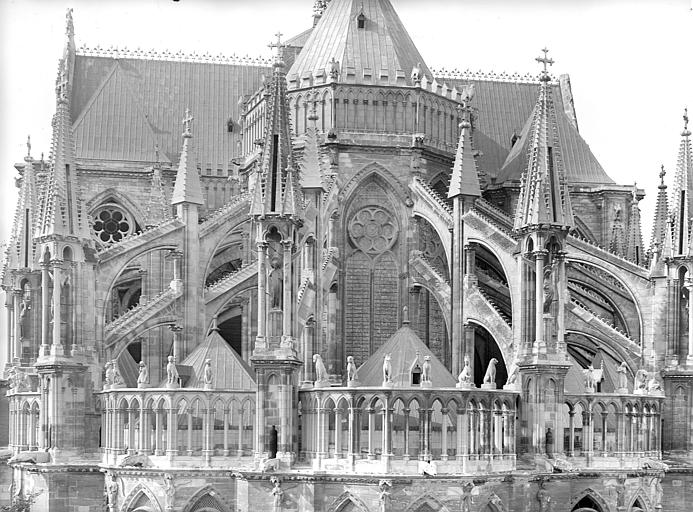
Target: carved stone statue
point(550, 285)
point(464, 380)
point(172, 372)
point(320, 370)
point(108, 382)
point(658, 494)
point(111, 491)
point(654, 387)
point(543, 498)
point(169, 490)
point(24, 307)
point(490, 376)
point(590, 382)
point(143, 377)
point(207, 374)
point(352, 374)
point(275, 282)
point(426, 370)
point(385, 497)
point(512, 378)
point(640, 384)
point(117, 377)
point(387, 370)
point(622, 377)
point(277, 494)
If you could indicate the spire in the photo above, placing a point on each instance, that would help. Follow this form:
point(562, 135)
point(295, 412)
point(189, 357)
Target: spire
point(158, 209)
point(659, 226)
point(311, 168)
point(61, 208)
point(465, 178)
point(187, 188)
point(634, 245)
point(21, 249)
point(544, 197)
point(275, 190)
point(683, 191)
point(667, 245)
point(617, 244)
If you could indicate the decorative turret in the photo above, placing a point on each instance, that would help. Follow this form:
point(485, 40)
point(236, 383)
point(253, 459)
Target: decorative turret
point(634, 245)
point(22, 247)
point(275, 188)
point(464, 190)
point(544, 199)
point(158, 210)
point(661, 217)
point(187, 188)
point(683, 192)
point(61, 208)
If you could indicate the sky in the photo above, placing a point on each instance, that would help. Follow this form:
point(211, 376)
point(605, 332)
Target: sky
point(629, 61)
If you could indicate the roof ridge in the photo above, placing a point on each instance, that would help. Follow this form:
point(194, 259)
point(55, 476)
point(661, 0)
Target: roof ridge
point(115, 52)
point(492, 76)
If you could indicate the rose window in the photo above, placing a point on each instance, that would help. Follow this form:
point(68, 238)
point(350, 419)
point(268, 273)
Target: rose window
point(111, 224)
point(373, 230)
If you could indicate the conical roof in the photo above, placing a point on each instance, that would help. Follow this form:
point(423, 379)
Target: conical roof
point(465, 177)
point(367, 41)
point(683, 191)
point(659, 226)
point(22, 246)
point(187, 188)
point(406, 350)
point(229, 371)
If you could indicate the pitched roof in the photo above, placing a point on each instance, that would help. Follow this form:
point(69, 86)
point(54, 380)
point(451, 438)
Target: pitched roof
point(504, 108)
point(229, 371)
point(379, 53)
point(120, 99)
point(405, 349)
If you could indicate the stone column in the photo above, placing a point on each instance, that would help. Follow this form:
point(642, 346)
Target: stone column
point(45, 308)
point(444, 434)
point(469, 349)
point(57, 348)
point(16, 343)
point(177, 258)
point(159, 415)
point(333, 365)
point(287, 303)
point(470, 277)
point(539, 347)
point(260, 342)
point(308, 344)
point(406, 412)
point(371, 432)
point(226, 431)
point(462, 446)
point(172, 434)
point(353, 432)
point(332, 230)
point(337, 433)
point(260, 413)
point(144, 285)
point(245, 332)
point(561, 292)
point(571, 433)
point(176, 330)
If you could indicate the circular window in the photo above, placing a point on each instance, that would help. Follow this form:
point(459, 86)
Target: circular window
point(373, 230)
point(111, 224)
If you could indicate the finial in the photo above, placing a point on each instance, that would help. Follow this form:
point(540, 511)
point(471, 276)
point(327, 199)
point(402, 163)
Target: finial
point(279, 45)
point(69, 25)
point(686, 132)
point(156, 152)
point(635, 192)
point(546, 61)
point(662, 173)
point(28, 147)
point(405, 315)
point(187, 124)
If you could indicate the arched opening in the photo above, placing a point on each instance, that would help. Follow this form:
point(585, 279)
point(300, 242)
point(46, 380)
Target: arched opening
point(486, 349)
point(587, 504)
point(491, 278)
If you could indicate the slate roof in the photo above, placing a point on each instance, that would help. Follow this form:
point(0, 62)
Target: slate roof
point(403, 346)
point(122, 106)
point(503, 110)
point(229, 371)
point(383, 44)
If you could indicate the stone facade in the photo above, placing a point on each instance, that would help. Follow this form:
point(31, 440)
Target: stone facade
point(365, 286)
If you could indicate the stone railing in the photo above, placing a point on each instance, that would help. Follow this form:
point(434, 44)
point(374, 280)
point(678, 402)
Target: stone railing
point(495, 306)
point(441, 431)
point(211, 426)
point(603, 321)
point(588, 246)
point(210, 221)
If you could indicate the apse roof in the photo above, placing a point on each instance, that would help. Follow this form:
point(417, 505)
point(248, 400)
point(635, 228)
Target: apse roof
point(406, 349)
point(381, 52)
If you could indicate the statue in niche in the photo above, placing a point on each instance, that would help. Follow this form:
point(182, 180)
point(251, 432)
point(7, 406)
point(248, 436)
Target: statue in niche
point(172, 371)
point(385, 497)
point(550, 285)
point(426, 370)
point(275, 282)
point(387, 369)
point(490, 376)
point(207, 374)
point(169, 490)
point(352, 374)
point(24, 307)
point(111, 491)
point(320, 370)
point(117, 377)
point(640, 383)
point(143, 377)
